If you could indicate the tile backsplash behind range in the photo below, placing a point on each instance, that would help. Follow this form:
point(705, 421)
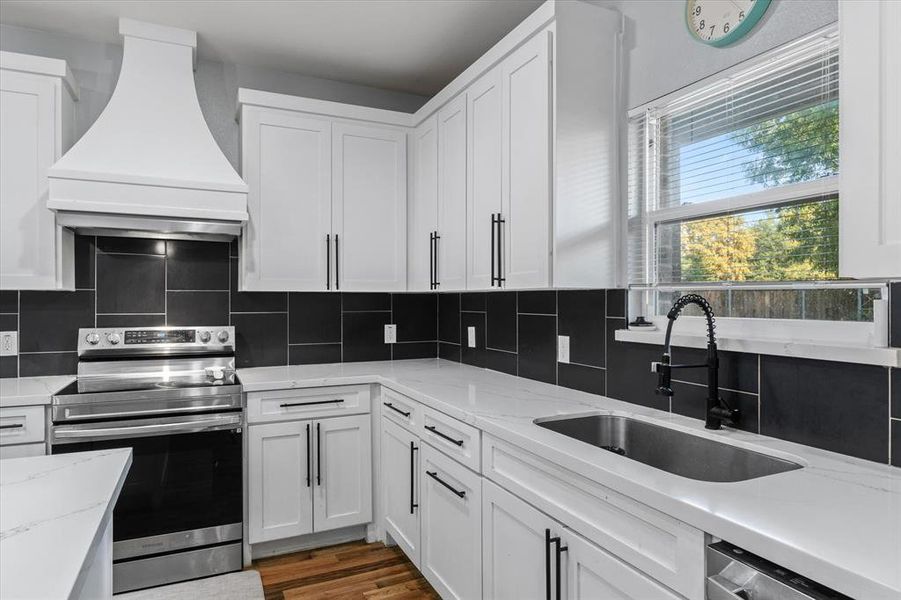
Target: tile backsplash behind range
point(848, 408)
point(132, 282)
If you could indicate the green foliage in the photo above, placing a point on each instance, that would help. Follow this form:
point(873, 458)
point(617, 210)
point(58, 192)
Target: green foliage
point(789, 243)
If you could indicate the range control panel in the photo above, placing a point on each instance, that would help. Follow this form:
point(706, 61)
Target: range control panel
point(155, 340)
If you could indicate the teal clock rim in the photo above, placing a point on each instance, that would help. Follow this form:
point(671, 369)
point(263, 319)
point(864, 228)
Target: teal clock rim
point(757, 11)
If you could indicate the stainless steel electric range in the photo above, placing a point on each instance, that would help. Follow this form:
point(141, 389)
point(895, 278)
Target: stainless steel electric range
point(170, 394)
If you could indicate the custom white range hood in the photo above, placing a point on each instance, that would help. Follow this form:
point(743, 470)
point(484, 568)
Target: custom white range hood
point(149, 165)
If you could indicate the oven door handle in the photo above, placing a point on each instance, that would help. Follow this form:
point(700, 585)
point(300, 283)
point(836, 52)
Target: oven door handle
point(163, 426)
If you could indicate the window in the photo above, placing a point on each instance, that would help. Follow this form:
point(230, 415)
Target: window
point(733, 192)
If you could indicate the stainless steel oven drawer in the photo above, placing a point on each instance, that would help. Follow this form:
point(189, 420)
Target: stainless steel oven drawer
point(181, 566)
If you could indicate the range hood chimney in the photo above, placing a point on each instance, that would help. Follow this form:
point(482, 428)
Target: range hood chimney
point(149, 165)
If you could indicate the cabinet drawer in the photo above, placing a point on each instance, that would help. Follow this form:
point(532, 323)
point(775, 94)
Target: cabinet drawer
point(21, 425)
point(455, 438)
point(404, 411)
point(306, 403)
point(670, 551)
point(22, 450)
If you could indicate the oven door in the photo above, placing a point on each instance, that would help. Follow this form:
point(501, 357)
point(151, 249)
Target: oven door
point(184, 488)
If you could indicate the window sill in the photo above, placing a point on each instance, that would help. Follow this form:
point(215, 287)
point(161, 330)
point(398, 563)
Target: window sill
point(886, 357)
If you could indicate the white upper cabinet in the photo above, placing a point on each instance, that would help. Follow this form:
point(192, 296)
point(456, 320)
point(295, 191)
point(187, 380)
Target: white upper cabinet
point(369, 207)
point(526, 196)
point(287, 166)
point(870, 139)
point(327, 195)
point(37, 98)
point(422, 211)
point(450, 245)
point(484, 117)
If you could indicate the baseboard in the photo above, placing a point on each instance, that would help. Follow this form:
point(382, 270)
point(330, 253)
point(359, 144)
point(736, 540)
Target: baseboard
point(309, 541)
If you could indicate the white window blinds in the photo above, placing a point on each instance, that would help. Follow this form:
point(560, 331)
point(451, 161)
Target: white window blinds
point(735, 180)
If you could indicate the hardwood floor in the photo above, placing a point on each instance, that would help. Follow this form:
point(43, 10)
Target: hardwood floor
point(354, 570)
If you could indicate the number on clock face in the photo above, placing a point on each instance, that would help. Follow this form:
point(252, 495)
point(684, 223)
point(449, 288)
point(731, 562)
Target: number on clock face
point(712, 20)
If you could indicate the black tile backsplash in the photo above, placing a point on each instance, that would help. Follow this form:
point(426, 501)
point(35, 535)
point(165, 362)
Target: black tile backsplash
point(835, 406)
point(144, 283)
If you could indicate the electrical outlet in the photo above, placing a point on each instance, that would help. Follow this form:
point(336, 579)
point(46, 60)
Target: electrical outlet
point(9, 343)
point(471, 337)
point(563, 348)
point(390, 334)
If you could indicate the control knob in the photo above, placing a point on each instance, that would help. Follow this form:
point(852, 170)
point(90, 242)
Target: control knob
point(223, 336)
point(92, 338)
point(114, 338)
point(204, 336)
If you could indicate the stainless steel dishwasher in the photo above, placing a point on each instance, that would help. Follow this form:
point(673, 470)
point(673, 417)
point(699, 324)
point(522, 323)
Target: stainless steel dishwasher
point(733, 573)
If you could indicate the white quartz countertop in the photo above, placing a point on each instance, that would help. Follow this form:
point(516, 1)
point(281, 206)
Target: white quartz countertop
point(53, 510)
point(836, 521)
point(28, 391)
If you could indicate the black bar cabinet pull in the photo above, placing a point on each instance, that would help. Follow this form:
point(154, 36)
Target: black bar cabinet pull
point(500, 250)
point(337, 262)
point(15, 426)
point(444, 435)
point(328, 261)
point(547, 564)
point(395, 409)
point(431, 260)
point(560, 549)
point(436, 283)
point(309, 455)
point(434, 475)
point(493, 221)
point(318, 455)
point(287, 404)
point(413, 505)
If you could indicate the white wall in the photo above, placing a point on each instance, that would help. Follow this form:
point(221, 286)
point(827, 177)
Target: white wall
point(661, 56)
point(96, 67)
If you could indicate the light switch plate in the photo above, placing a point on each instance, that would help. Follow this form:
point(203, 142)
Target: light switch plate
point(9, 343)
point(471, 337)
point(390, 334)
point(563, 348)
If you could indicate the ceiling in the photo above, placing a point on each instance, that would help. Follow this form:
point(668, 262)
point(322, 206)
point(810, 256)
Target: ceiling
point(414, 46)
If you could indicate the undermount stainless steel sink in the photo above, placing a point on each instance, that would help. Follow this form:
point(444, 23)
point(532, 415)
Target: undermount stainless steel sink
point(668, 449)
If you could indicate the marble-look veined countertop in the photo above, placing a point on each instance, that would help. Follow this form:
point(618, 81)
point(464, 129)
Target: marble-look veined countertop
point(53, 512)
point(836, 521)
point(31, 391)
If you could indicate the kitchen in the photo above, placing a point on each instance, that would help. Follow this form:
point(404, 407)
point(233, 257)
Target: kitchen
point(450, 299)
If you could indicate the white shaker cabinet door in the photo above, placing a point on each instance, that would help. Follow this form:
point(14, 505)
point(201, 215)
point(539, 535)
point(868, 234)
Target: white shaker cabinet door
point(593, 573)
point(515, 547)
point(369, 207)
point(400, 487)
point(32, 248)
point(280, 482)
point(422, 216)
point(870, 139)
point(451, 243)
point(526, 234)
point(451, 500)
point(287, 166)
point(343, 472)
point(484, 157)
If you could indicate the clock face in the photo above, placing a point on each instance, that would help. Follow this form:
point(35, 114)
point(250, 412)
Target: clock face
point(722, 22)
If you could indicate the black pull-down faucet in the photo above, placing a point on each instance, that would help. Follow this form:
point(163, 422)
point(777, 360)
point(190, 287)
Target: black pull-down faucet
point(718, 412)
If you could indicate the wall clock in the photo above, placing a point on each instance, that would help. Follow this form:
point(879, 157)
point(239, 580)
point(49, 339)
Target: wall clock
point(722, 22)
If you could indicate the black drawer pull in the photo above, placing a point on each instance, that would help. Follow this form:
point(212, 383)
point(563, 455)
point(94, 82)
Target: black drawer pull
point(395, 409)
point(434, 475)
point(444, 435)
point(287, 404)
point(15, 426)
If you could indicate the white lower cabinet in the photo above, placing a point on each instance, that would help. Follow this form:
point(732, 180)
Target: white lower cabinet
point(400, 487)
point(514, 546)
point(451, 501)
point(309, 476)
point(527, 554)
